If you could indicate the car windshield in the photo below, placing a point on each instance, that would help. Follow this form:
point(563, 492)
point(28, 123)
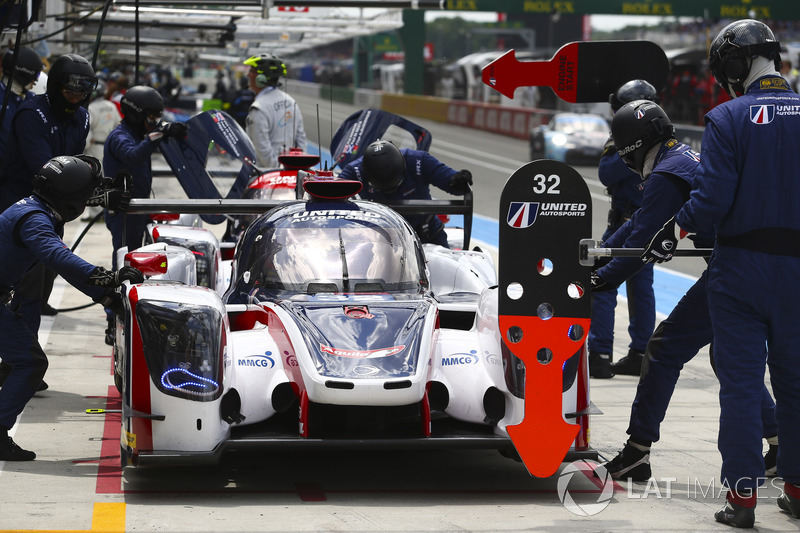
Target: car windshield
point(579, 124)
point(331, 251)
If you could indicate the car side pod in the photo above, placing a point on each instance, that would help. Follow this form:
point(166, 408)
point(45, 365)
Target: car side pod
point(544, 304)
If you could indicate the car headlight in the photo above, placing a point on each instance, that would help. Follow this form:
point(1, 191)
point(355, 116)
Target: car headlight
point(182, 346)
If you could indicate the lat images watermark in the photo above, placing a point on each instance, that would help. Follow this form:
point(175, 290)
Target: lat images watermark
point(583, 502)
point(603, 496)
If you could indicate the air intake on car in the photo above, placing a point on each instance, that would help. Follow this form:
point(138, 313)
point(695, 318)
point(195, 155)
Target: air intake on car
point(339, 384)
point(391, 385)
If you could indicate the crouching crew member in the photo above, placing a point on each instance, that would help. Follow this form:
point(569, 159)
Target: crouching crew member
point(30, 233)
point(390, 174)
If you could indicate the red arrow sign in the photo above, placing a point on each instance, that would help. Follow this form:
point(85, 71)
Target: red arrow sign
point(505, 74)
point(543, 438)
point(581, 71)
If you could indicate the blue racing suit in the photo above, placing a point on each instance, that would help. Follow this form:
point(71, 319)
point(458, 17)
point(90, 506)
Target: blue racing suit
point(625, 188)
point(749, 191)
point(29, 234)
point(127, 150)
point(38, 135)
point(687, 329)
point(422, 170)
point(14, 102)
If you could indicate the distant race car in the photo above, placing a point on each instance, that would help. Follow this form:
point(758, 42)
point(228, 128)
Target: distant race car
point(572, 138)
point(326, 325)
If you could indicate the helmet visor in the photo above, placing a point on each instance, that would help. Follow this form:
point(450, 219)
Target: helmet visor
point(152, 119)
point(80, 83)
point(386, 183)
point(628, 160)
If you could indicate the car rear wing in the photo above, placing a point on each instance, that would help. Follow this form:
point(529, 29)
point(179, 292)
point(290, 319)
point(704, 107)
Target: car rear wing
point(458, 206)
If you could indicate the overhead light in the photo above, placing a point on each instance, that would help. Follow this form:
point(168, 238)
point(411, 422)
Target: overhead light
point(173, 11)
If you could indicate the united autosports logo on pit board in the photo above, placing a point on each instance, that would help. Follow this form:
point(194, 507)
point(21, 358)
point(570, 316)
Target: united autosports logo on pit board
point(524, 214)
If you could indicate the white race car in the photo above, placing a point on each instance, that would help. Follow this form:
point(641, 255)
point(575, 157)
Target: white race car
point(330, 326)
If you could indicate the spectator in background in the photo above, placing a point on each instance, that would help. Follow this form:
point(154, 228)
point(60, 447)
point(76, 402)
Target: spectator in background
point(530, 96)
point(221, 88)
point(684, 88)
point(103, 118)
point(240, 101)
point(789, 73)
point(116, 85)
point(705, 95)
point(448, 86)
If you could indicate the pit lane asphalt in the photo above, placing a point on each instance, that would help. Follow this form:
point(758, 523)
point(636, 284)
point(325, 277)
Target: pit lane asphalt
point(76, 483)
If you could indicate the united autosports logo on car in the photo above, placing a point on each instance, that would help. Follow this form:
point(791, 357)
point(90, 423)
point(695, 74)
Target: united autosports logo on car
point(524, 214)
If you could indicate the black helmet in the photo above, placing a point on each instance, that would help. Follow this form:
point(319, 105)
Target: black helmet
point(73, 73)
point(27, 68)
point(269, 67)
point(637, 127)
point(66, 182)
point(142, 106)
point(633, 90)
point(384, 166)
point(731, 52)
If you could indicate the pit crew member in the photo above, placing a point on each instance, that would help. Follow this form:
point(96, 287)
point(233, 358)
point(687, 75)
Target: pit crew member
point(749, 190)
point(127, 150)
point(625, 188)
point(390, 174)
point(645, 139)
point(18, 81)
point(45, 126)
point(30, 234)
